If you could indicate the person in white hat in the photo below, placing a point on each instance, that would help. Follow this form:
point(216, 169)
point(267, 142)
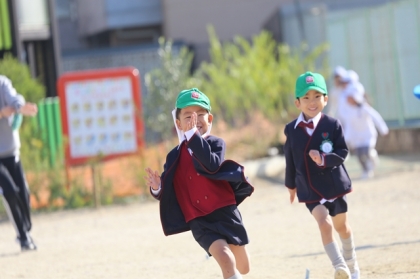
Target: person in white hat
point(339, 74)
point(347, 79)
point(361, 126)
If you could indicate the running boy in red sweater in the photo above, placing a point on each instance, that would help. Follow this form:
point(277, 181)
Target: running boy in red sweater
point(199, 190)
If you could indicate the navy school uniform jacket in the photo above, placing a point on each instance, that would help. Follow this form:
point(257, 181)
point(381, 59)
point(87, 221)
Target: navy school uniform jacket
point(315, 182)
point(208, 159)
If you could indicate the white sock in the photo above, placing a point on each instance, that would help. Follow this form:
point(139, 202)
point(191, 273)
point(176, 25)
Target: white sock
point(236, 276)
point(334, 254)
point(349, 252)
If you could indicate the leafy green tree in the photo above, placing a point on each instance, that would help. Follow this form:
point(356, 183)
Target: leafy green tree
point(258, 75)
point(19, 74)
point(164, 84)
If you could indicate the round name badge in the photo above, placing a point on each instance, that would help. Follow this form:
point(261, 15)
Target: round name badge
point(326, 146)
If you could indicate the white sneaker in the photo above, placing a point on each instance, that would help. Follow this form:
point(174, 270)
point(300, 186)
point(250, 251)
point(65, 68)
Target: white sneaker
point(355, 274)
point(367, 175)
point(375, 157)
point(342, 273)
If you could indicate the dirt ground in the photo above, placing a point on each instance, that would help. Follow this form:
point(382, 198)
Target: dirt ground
point(126, 241)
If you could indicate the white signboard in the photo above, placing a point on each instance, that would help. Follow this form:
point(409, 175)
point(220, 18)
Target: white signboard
point(100, 117)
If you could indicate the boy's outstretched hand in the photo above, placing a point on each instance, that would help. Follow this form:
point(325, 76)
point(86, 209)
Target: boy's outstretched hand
point(292, 193)
point(152, 179)
point(315, 156)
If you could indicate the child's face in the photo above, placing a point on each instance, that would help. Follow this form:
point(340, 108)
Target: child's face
point(312, 103)
point(204, 119)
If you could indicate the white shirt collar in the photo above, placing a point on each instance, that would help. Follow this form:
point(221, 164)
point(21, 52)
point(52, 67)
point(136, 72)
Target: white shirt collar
point(315, 120)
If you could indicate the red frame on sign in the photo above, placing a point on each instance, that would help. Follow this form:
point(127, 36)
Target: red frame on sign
point(92, 75)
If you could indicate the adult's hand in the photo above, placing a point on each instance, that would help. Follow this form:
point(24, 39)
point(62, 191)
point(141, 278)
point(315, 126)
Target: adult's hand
point(29, 109)
point(6, 112)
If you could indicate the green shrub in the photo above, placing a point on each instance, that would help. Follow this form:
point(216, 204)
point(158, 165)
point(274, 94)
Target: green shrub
point(258, 75)
point(77, 195)
point(241, 78)
point(163, 85)
point(19, 74)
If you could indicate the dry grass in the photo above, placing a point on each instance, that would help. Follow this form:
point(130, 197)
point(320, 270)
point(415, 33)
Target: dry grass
point(125, 174)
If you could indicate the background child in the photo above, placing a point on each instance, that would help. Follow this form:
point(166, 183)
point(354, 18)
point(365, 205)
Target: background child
point(338, 86)
point(199, 191)
point(315, 150)
point(346, 80)
point(360, 128)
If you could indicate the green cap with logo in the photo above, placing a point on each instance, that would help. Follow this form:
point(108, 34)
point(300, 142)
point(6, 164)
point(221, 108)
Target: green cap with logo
point(192, 97)
point(310, 81)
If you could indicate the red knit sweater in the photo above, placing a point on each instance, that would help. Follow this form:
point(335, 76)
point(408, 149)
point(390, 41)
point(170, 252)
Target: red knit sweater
point(196, 194)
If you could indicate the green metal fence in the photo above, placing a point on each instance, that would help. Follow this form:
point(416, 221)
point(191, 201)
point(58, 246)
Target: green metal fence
point(48, 123)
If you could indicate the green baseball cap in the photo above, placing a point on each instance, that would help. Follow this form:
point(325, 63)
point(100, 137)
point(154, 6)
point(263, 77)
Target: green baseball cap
point(308, 81)
point(192, 97)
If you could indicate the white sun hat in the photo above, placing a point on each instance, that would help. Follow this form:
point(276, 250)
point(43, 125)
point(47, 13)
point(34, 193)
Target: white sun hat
point(357, 91)
point(340, 71)
point(351, 76)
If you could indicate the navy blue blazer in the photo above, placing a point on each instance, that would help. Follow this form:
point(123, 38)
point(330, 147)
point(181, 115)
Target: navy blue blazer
point(208, 159)
point(315, 182)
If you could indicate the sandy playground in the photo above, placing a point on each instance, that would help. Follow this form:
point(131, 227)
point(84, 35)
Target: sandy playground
point(126, 241)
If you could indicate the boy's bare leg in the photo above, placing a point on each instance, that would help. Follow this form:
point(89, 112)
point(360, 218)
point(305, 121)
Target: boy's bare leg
point(325, 225)
point(224, 256)
point(241, 257)
point(321, 216)
point(341, 225)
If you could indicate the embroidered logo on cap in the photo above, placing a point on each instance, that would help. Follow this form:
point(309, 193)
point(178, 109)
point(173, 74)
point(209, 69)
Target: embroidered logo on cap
point(195, 95)
point(309, 79)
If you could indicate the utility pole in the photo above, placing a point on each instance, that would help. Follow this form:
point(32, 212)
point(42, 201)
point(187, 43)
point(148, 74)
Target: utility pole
point(14, 28)
point(55, 39)
point(301, 24)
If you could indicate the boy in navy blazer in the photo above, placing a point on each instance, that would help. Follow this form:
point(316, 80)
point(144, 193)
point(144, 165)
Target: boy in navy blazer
point(199, 190)
point(315, 150)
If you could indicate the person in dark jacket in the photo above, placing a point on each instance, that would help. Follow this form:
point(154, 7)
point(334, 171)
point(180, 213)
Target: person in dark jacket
point(199, 190)
point(315, 150)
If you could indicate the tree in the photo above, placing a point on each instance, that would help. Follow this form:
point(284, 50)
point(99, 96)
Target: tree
point(19, 74)
point(258, 75)
point(163, 85)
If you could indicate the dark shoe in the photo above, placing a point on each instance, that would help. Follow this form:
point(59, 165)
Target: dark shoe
point(27, 245)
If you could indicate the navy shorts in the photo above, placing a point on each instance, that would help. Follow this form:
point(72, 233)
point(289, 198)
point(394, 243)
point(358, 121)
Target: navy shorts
point(339, 205)
point(223, 223)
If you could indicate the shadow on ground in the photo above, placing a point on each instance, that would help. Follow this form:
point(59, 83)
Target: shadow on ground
point(365, 247)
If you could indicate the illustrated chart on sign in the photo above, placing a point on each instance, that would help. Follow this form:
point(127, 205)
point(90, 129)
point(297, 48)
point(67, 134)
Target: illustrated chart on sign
point(101, 117)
